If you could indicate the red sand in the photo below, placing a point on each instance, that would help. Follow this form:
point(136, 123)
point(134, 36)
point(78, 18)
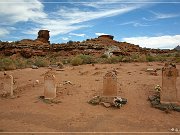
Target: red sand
point(27, 113)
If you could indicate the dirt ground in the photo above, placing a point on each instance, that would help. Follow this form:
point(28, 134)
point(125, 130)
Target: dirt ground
point(27, 113)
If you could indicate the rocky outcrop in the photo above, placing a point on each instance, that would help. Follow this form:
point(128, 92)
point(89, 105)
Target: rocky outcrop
point(43, 36)
point(177, 48)
point(96, 46)
point(107, 37)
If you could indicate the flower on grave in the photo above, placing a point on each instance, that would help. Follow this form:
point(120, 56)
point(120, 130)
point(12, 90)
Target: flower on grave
point(157, 88)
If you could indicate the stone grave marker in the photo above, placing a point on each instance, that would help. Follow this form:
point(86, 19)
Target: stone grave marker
point(110, 85)
point(169, 90)
point(49, 86)
point(8, 84)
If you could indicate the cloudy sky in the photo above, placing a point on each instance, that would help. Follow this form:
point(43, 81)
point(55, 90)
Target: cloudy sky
point(148, 23)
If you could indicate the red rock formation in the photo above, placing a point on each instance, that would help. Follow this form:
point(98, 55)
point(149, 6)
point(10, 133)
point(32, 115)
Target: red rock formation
point(43, 36)
point(106, 36)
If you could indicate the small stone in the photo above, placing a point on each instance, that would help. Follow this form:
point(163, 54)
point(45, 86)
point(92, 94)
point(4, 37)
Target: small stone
point(107, 105)
point(154, 103)
point(34, 67)
point(149, 69)
point(152, 98)
point(176, 130)
point(95, 100)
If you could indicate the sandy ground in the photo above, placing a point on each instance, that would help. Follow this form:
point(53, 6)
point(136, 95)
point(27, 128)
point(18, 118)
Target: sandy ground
point(27, 113)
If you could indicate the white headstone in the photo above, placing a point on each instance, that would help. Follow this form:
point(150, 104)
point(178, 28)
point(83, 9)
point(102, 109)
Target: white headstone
point(49, 86)
point(169, 90)
point(8, 84)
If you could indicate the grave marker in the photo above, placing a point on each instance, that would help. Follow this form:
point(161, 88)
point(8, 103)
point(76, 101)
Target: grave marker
point(169, 90)
point(49, 86)
point(110, 84)
point(8, 84)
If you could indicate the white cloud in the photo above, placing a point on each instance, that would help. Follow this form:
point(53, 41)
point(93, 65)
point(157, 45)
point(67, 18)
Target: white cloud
point(12, 12)
point(77, 15)
point(78, 35)
point(135, 24)
point(23, 10)
point(3, 32)
point(99, 34)
point(158, 16)
point(162, 42)
point(65, 38)
point(67, 19)
point(164, 15)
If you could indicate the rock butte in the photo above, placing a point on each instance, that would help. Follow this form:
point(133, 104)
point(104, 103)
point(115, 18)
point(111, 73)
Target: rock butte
point(96, 46)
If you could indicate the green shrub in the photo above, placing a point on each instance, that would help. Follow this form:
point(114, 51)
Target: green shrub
point(161, 58)
point(150, 58)
point(177, 54)
point(115, 59)
point(7, 64)
point(135, 57)
point(127, 59)
point(41, 62)
point(142, 58)
point(104, 56)
point(87, 59)
point(101, 60)
point(76, 61)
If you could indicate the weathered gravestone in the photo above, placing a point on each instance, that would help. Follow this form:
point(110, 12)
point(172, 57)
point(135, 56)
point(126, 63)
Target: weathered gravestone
point(49, 86)
point(8, 84)
point(110, 84)
point(169, 90)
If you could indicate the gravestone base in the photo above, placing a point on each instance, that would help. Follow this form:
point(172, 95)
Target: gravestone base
point(107, 99)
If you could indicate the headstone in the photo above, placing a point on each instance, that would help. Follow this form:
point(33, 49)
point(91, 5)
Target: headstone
point(169, 90)
point(49, 86)
point(110, 85)
point(8, 84)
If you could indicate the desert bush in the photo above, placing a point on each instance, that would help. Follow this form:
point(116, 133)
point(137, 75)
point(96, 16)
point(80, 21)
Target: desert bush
point(127, 59)
point(76, 61)
point(20, 63)
point(177, 60)
point(115, 59)
point(135, 57)
point(7, 64)
point(41, 62)
point(177, 54)
point(104, 56)
point(142, 58)
point(150, 58)
point(161, 58)
point(87, 59)
point(101, 60)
